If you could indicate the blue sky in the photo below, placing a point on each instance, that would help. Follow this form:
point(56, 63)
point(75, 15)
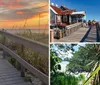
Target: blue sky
point(92, 7)
point(76, 48)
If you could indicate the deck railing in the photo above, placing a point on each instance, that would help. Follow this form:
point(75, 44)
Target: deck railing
point(72, 28)
point(37, 46)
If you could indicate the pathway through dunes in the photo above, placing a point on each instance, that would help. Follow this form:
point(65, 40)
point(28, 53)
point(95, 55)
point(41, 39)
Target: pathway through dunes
point(9, 75)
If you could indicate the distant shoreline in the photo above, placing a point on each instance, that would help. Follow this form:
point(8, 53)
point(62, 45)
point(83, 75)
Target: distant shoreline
point(14, 31)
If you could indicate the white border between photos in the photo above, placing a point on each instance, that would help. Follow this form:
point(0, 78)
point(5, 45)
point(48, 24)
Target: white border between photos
point(49, 41)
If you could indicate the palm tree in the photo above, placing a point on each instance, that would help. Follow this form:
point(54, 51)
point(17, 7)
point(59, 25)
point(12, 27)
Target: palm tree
point(87, 59)
point(94, 55)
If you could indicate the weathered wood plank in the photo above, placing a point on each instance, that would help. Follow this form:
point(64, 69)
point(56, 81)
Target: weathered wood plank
point(9, 75)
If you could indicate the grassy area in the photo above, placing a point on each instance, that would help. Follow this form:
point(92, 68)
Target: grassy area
point(35, 58)
point(67, 79)
point(41, 37)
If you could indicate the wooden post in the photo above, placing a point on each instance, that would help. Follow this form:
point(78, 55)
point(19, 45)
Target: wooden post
point(22, 71)
point(4, 43)
point(22, 67)
point(22, 55)
point(51, 36)
point(61, 34)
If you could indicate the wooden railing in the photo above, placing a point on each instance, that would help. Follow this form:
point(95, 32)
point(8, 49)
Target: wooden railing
point(98, 34)
point(39, 47)
point(72, 28)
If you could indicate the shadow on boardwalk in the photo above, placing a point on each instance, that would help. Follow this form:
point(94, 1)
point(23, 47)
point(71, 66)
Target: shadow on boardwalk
point(91, 35)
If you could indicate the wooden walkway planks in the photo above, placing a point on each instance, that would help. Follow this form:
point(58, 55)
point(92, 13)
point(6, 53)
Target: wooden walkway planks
point(74, 37)
point(9, 75)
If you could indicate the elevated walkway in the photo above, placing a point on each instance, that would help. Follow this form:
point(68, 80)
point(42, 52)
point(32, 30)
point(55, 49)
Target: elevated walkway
point(9, 75)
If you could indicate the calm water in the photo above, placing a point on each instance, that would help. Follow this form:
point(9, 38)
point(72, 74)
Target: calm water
point(26, 30)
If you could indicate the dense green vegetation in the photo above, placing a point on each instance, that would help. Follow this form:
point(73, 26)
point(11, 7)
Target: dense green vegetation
point(88, 60)
point(59, 78)
point(85, 59)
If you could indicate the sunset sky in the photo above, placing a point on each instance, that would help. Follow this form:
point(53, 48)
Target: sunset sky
point(14, 13)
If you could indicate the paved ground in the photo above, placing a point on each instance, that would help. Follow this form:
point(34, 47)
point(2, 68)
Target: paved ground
point(74, 37)
point(9, 75)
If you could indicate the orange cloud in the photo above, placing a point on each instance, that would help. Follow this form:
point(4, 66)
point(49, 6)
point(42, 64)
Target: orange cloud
point(37, 21)
point(13, 7)
point(39, 4)
point(34, 20)
point(19, 12)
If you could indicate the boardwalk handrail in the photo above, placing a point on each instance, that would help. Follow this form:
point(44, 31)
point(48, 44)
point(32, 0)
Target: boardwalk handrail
point(73, 25)
point(37, 46)
point(32, 69)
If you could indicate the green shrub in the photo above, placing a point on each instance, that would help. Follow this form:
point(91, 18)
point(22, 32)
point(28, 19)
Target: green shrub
point(27, 79)
point(71, 80)
point(12, 61)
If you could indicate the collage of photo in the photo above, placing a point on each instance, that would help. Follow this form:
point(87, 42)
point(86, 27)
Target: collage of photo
point(49, 42)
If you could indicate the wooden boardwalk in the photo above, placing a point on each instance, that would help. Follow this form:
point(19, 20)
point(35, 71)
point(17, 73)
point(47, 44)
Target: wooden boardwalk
point(74, 37)
point(10, 71)
point(9, 75)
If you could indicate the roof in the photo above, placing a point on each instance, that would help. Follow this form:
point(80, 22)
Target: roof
point(67, 12)
point(59, 11)
point(79, 13)
point(56, 9)
point(64, 8)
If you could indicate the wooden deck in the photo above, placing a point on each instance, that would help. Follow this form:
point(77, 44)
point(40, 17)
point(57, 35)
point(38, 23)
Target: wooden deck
point(9, 75)
point(74, 37)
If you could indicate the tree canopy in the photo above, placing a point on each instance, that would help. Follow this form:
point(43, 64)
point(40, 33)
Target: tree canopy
point(87, 59)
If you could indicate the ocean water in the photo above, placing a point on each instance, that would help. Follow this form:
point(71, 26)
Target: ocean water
point(14, 31)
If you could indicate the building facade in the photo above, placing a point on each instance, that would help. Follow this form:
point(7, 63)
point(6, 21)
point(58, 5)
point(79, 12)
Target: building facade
point(63, 16)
